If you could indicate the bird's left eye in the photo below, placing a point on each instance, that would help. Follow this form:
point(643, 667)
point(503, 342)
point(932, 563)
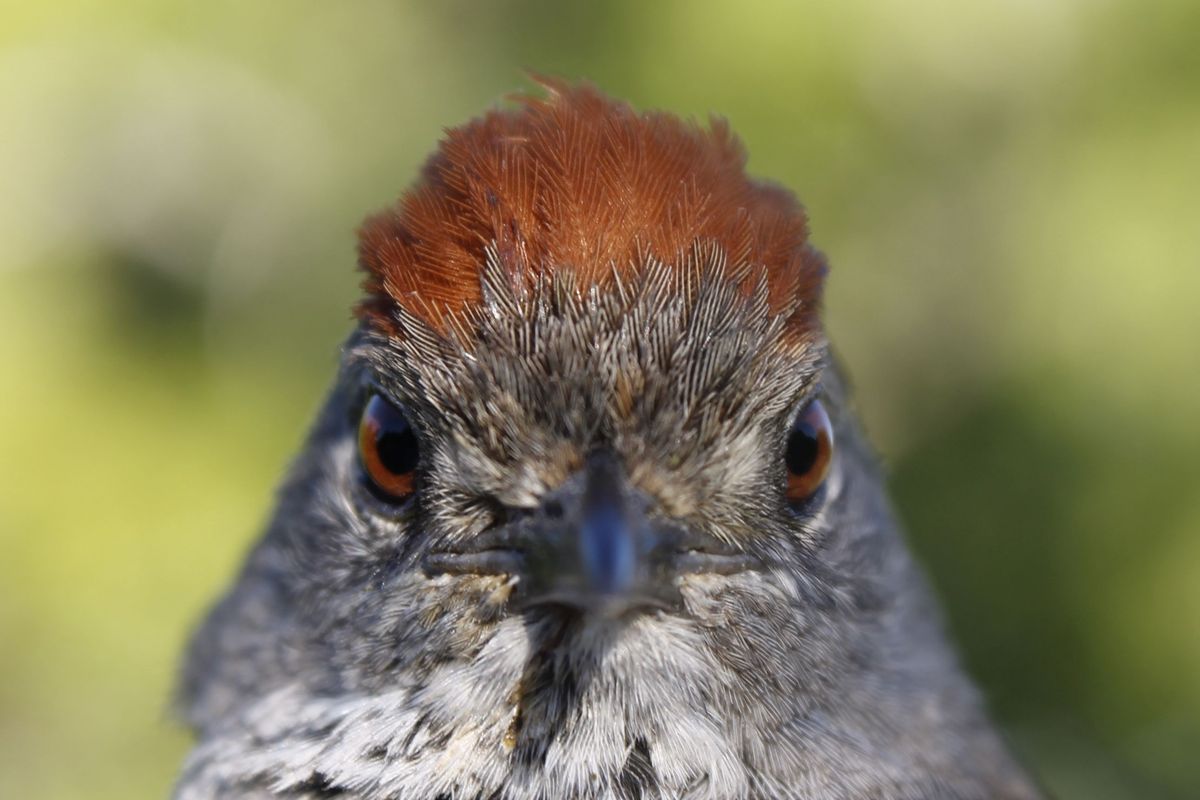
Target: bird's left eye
point(387, 450)
point(809, 452)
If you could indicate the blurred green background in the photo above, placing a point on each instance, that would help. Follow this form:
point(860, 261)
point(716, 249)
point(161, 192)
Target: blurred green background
point(1009, 194)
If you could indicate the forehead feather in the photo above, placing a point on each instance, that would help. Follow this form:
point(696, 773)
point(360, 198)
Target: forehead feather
point(577, 180)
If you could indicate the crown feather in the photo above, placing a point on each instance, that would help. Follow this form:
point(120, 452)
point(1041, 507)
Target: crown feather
point(579, 181)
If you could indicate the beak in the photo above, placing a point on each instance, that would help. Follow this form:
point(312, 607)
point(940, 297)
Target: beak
point(594, 546)
point(603, 554)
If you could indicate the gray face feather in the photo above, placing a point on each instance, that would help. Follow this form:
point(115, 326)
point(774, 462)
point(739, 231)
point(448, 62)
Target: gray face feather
point(339, 665)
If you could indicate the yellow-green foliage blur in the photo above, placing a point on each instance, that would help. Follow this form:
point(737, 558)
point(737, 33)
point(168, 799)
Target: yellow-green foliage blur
point(1008, 193)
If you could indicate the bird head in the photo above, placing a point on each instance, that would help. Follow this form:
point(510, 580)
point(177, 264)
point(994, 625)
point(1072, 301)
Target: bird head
point(586, 513)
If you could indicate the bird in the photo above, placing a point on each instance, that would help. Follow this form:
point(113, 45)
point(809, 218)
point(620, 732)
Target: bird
point(587, 512)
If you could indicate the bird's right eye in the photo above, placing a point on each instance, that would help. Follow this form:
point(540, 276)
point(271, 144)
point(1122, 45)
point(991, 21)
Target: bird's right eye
point(387, 450)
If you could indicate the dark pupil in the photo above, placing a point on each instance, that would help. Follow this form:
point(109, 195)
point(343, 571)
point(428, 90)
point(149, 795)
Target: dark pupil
point(395, 443)
point(802, 448)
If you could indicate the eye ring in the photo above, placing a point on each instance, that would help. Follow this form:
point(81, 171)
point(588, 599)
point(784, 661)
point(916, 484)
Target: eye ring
point(388, 450)
point(808, 452)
